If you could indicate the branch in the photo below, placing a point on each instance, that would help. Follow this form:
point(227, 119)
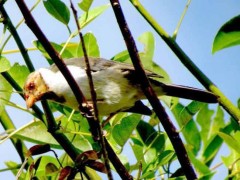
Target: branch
point(93, 97)
point(150, 94)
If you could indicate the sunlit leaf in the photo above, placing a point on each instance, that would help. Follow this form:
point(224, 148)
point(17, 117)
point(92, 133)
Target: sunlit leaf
point(204, 119)
point(14, 167)
point(230, 141)
point(5, 92)
point(19, 73)
point(199, 166)
point(47, 166)
point(92, 14)
point(71, 48)
point(228, 35)
point(91, 46)
point(233, 164)
point(121, 57)
point(58, 10)
point(30, 132)
point(85, 4)
point(147, 39)
point(4, 64)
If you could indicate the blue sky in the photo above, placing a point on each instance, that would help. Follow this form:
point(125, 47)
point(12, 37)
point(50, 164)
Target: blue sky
point(196, 35)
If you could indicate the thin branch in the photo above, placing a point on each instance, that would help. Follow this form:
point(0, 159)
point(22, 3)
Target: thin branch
point(188, 63)
point(150, 94)
point(17, 143)
point(180, 21)
point(20, 22)
point(14, 33)
point(93, 97)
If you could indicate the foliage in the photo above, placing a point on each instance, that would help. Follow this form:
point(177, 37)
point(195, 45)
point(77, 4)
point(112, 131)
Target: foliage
point(203, 128)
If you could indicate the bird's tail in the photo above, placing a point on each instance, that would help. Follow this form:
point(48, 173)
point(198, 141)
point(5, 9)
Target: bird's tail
point(187, 93)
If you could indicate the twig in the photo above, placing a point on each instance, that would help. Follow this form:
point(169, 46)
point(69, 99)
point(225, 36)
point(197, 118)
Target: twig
point(180, 21)
point(93, 96)
point(151, 96)
point(14, 33)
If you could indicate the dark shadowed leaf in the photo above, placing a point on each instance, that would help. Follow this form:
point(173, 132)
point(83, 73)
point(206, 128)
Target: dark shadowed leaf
point(121, 132)
point(184, 116)
point(58, 10)
point(228, 35)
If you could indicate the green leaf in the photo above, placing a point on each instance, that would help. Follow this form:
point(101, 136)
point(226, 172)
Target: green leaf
point(19, 73)
point(85, 4)
point(233, 164)
point(44, 165)
point(199, 166)
point(121, 132)
point(4, 64)
point(5, 92)
point(66, 54)
point(184, 117)
point(165, 157)
point(214, 145)
point(92, 14)
point(58, 10)
point(228, 35)
point(138, 152)
point(230, 141)
point(121, 57)
point(71, 48)
point(14, 167)
point(153, 141)
point(218, 121)
point(30, 132)
point(90, 45)
point(204, 119)
point(147, 39)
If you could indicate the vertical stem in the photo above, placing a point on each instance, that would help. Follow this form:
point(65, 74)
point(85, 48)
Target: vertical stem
point(150, 94)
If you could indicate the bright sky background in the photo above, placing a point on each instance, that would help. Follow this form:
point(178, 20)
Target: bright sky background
point(199, 27)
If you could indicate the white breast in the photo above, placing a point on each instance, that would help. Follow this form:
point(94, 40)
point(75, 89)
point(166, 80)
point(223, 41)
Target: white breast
point(114, 92)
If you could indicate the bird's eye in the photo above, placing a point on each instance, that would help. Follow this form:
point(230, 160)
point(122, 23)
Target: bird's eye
point(31, 86)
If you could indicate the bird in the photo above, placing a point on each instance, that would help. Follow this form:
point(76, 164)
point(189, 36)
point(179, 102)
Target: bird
point(117, 86)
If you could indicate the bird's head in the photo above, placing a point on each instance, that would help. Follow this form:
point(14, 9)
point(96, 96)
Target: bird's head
point(34, 88)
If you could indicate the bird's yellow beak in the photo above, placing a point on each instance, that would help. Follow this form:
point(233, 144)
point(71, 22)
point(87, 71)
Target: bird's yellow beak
point(30, 101)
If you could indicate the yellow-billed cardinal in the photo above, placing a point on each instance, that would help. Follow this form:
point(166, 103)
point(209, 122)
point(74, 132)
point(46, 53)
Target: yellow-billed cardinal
point(116, 84)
